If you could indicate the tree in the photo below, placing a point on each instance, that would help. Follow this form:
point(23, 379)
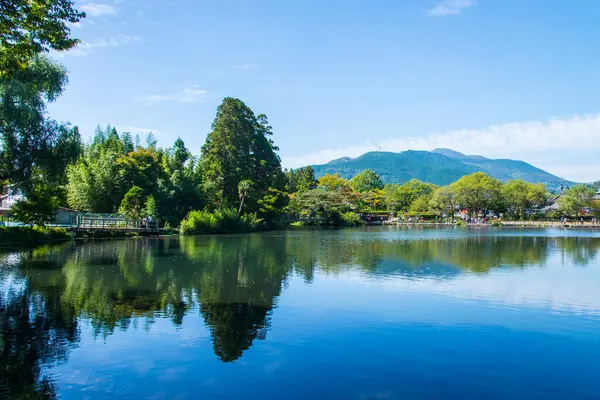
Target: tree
point(272, 205)
point(38, 208)
point(94, 182)
point(141, 168)
point(576, 198)
point(443, 200)
point(239, 148)
point(374, 199)
point(29, 141)
point(595, 205)
point(520, 196)
point(401, 197)
point(127, 140)
point(244, 188)
point(333, 182)
point(305, 179)
point(178, 156)
point(131, 205)
point(318, 203)
point(421, 204)
point(365, 181)
point(477, 193)
point(31, 27)
point(151, 141)
point(150, 208)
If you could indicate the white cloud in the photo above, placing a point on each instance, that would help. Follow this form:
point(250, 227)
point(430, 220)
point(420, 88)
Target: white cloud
point(530, 287)
point(88, 47)
point(556, 145)
point(246, 66)
point(450, 7)
point(98, 10)
point(191, 94)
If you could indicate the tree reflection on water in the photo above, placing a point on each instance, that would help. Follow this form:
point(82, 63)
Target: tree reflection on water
point(232, 281)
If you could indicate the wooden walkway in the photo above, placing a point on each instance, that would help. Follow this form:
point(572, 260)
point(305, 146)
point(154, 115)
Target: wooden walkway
point(85, 223)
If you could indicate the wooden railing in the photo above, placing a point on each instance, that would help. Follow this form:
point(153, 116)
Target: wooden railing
point(110, 223)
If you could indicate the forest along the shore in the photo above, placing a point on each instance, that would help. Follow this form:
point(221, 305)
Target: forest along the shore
point(235, 184)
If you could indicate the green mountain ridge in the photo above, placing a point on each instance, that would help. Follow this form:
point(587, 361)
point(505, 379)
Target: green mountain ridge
point(440, 166)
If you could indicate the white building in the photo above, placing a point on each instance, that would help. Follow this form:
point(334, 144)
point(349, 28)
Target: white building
point(8, 197)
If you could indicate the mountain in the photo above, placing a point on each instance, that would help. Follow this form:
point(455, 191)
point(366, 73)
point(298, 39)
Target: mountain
point(440, 166)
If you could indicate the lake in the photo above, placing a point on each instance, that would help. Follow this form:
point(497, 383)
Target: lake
point(370, 313)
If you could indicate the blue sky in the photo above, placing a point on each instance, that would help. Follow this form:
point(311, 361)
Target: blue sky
point(502, 78)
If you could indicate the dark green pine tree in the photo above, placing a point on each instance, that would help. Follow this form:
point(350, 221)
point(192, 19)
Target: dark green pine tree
point(240, 148)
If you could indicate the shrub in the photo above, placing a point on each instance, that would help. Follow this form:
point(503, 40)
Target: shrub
point(24, 234)
point(351, 219)
point(220, 221)
point(496, 222)
point(39, 208)
point(460, 222)
point(198, 222)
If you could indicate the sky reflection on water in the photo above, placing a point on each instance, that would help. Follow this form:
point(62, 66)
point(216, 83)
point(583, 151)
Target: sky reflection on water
point(368, 313)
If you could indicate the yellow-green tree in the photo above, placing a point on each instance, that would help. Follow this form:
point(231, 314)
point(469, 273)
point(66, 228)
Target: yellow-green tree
point(519, 196)
point(576, 198)
point(477, 193)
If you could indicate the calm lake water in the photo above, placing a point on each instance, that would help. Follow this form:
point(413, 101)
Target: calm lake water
point(374, 313)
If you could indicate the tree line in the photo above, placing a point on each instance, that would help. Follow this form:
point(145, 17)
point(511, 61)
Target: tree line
point(236, 183)
point(473, 195)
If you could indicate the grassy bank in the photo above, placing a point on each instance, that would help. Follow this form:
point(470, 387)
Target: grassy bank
point(27, 235)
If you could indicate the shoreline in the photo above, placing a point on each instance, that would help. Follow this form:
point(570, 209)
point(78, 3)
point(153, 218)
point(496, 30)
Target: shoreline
point(506, 224)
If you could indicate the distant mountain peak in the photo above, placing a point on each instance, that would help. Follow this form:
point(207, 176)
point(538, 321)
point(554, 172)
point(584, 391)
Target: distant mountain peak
point(450, 153)
point(340, 160)
point(441, 166)
point(458, 155)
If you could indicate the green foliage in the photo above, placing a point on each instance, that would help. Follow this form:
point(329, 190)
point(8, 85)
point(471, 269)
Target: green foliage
point(321, 206)
point(401, 197)
point(38, 208)
point(31, 145)
point(520, 196)
point(131, 205)
point(31, 27)
point(150, 208)
point(373, 200)
point(219, 221)
point(244, 189)
point(351, 218)
point(334, 182)
point(575, 199)
point(421, 204)
point(595, 205)
point(239, 148)
point(272, 205)
point(94, 182)
point(304, 179)
point(460, 222)
point(108, 168)
point(443, 201)
point(366, 181)
point(477, 193)
point(36, 234)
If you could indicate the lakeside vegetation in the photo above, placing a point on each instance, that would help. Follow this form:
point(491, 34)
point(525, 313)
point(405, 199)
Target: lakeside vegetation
point(236, 184)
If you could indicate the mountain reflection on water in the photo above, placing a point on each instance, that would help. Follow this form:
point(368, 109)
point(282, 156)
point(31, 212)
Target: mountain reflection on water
point(233, 282)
